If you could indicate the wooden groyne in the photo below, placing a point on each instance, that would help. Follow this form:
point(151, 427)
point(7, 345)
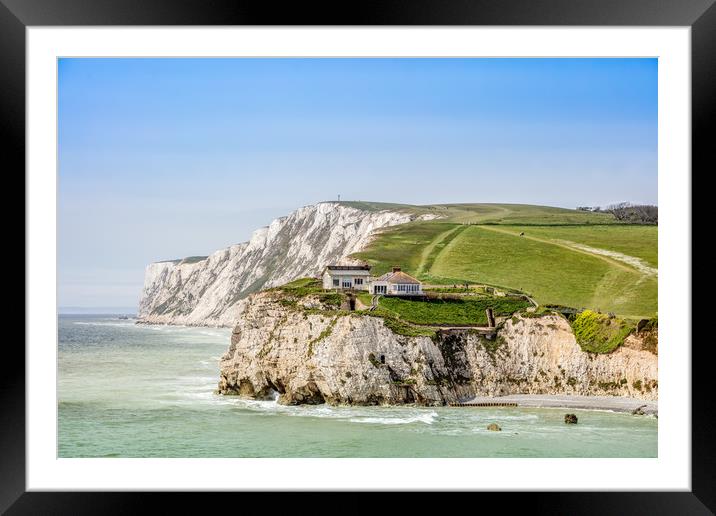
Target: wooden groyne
point(485, 404)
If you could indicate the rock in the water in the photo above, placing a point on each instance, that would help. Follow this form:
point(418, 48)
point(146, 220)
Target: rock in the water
point(494, 427)
point(639, 411)
point(570, 419)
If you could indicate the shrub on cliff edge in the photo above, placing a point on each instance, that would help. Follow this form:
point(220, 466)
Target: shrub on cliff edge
point(599, 333)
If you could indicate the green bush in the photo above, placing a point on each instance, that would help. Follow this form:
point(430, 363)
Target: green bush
point(301, 287)
point(330, 298)
point(599, 333)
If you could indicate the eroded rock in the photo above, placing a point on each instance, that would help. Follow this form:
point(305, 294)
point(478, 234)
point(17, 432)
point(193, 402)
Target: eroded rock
point(309, 356)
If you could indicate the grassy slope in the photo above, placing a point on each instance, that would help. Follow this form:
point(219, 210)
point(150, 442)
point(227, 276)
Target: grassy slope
point(447, 251)
point(519, 214)
point(552, 273)
point(403, 245)
point(638, 241)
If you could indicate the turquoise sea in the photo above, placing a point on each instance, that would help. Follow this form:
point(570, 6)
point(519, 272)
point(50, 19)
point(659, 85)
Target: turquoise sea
point(128, 390)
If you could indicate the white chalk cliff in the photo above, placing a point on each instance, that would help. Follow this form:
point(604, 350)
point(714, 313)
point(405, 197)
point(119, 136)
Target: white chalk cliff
point(354, 358)
point(206, 292)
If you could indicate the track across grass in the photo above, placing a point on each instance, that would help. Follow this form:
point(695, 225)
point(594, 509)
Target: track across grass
point(551, 273)
point(633, 240)
point(434, 248)
point(403, 245)
point(587, 265)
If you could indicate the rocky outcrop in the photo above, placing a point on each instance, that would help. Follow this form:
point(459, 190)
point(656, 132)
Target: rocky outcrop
point(207, 291)
point(308, 355)
point(646, 340)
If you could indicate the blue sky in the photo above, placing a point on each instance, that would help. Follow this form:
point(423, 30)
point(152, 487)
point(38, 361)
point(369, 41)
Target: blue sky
point(164, 158)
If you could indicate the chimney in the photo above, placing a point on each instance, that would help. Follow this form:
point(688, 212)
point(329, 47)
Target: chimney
point(396, 269)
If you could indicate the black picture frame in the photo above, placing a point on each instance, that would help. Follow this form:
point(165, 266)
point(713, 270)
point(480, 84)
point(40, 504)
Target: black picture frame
point(700, 15)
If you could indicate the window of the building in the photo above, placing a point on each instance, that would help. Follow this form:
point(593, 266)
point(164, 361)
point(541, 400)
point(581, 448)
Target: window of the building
point(358, 281)
point(336, 282)
point(346, 284)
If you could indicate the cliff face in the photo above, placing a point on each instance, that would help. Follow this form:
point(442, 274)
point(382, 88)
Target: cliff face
point(207, 292)
point(309, 356)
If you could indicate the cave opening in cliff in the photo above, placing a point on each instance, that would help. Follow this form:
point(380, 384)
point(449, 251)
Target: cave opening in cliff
point(275, 388)
point(313, 395)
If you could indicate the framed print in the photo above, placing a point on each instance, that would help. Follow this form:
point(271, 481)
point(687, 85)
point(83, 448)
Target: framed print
point(426, 239)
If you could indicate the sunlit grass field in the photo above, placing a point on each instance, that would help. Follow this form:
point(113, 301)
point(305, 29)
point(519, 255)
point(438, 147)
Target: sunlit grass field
point(468, 310)
point(550, 261)
point(632, 240)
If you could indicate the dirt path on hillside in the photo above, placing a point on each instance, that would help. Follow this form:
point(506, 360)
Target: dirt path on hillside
point(635, 262)
point(425, 255)
point(608, 256)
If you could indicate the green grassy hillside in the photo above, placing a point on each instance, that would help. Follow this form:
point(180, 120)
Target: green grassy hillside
point(637, 241)
point(567, 257)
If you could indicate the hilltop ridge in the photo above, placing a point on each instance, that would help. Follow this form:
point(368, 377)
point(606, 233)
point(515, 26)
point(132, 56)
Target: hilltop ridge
point(492, 213)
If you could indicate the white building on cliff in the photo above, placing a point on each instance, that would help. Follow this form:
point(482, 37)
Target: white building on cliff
point(357, 277)
point(342, 277)
point(396, 283)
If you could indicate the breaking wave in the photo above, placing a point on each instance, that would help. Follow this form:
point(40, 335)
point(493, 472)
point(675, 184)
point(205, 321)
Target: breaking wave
point(427, 418)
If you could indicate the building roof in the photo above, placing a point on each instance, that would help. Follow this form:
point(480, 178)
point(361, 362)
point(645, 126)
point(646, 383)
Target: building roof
point(398, 277)
point(348, 267)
